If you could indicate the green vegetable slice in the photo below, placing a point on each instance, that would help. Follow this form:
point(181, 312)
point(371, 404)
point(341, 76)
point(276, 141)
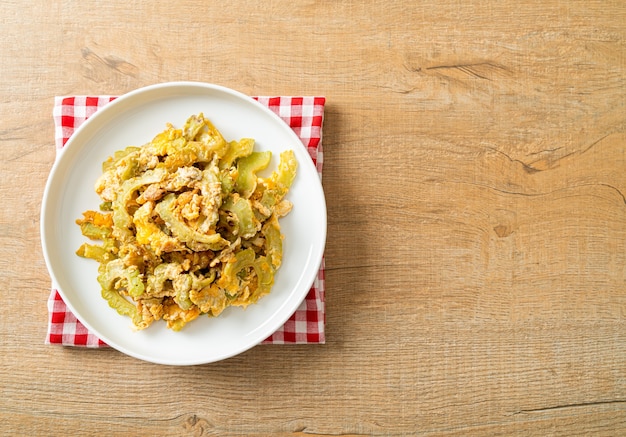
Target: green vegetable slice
point(99, 253)
point(121, 305)
point(116, 275)
point(119, 156)
point(247, 224)
point(193, 239)
point(121, 218)
point(232, 274)
point(279, 183)
point(247, 169)
point(162, 273)
point(273, 241)
point(236, 149)
point(265, 278)
point(95, 232)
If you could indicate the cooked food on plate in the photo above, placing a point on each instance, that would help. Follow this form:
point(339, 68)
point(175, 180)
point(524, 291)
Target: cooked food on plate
point(187, 225)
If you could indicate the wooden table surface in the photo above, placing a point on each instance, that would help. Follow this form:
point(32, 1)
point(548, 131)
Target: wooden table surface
point(474, 176)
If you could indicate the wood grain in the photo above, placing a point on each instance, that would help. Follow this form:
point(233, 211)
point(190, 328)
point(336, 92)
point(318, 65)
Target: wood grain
point(474, 175)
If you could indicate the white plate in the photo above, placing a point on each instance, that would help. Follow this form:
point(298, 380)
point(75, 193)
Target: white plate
point(134, 119)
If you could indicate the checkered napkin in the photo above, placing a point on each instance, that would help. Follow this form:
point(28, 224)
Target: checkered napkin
point(305, 116)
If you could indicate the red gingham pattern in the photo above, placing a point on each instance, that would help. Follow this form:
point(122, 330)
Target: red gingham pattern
point(305, 115)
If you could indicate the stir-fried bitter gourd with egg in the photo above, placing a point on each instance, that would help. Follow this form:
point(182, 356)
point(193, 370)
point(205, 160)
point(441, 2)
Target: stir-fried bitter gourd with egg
point(186, 226)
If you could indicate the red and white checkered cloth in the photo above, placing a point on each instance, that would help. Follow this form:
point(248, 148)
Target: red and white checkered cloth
point(305, 116)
